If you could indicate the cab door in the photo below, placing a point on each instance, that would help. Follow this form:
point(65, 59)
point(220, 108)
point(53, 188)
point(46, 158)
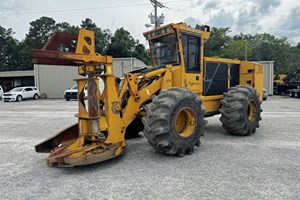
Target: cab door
point(192, 60)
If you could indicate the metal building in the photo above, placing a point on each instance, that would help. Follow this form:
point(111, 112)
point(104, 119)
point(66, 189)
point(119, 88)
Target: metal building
point(268, 75)
point(53, 80)
point(11, 79)
point(123, 65)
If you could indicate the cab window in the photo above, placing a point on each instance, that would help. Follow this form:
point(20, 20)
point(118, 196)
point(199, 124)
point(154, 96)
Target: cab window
point(164, 50)
point(191, 50)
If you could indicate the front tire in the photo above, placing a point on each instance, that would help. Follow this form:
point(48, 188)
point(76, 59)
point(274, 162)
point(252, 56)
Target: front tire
point(174, 121)
point(36, 97)
point(19, 98)
point(240, 110)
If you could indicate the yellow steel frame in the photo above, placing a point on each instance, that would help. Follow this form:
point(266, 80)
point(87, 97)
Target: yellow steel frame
point(105, 127)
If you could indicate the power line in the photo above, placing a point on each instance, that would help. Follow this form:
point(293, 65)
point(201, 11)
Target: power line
point(85, 9)
point(76, 9)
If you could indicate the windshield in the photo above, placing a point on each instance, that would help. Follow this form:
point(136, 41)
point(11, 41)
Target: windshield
point(164, 50)
point(17, 89)
point(74, 87)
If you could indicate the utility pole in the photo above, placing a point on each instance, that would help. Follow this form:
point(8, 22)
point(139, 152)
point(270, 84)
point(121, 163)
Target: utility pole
point(156, 4)
point(155, 12)
point(246, 51)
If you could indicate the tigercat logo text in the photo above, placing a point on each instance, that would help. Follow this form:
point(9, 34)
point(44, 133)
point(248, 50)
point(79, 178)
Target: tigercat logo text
point(193, 83)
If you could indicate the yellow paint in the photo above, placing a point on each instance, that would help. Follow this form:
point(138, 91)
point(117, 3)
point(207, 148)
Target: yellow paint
point(192, 82)
point(109, 69)
point(113, 119)
point(176, 76)
point(167, 80)
point(252, 111)
point(185, 122)
point(252, 74)
point(212, 103)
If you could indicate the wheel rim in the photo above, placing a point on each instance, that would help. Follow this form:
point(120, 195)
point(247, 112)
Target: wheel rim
point(252, 111)
point(185, 122)
point(19, 98)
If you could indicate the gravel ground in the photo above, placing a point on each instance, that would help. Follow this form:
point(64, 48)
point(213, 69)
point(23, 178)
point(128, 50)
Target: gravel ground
point(265, 165)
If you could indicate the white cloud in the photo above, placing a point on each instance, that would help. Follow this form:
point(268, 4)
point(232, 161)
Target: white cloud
point(6, 6)
point(221, 19)
point(192, 21)
point(254, 16)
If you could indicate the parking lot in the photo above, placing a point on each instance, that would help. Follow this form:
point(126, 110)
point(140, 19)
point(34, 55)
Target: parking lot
point(265, 165)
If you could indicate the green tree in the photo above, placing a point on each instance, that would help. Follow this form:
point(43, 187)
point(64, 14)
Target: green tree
point(8, 50)
point(24, 57)
point(235, 49)
point(15, 55)
point(122, 44)
point(66, 27)
point(140, 53)
point(268, 47)
point(246, 45)
point(39, 32)
point(88, 24)
point(102, 37)
point(218, 40)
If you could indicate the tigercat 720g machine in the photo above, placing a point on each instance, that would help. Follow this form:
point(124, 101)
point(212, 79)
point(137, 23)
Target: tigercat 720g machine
point(168, 102)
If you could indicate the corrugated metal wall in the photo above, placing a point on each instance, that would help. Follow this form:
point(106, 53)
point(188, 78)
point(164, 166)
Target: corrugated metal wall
point(124, 65)
point(53, 80)
point(268, 75)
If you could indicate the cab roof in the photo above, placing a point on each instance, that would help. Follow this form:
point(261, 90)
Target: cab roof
point(171, 28)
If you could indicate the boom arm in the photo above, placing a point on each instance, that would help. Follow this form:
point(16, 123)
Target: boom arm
point(291, 75)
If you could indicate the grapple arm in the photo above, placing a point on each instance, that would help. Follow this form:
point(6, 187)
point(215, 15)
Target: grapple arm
point(82, 143)
point(99, 134)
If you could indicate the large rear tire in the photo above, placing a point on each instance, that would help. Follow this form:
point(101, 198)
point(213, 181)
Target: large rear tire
point(240, 110)
point(174, 121)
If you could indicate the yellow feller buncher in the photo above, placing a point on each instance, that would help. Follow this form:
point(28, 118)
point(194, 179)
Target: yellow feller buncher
point(168, 101)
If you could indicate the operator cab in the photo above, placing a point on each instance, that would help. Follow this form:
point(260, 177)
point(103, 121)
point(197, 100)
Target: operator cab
point(180, 45)
point(165, 46)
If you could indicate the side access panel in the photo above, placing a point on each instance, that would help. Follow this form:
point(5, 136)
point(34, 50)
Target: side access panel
point(216, 78)
point(219, 75)
point(252, 74)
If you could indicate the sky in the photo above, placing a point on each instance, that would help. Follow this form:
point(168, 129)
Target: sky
point(277, 17)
